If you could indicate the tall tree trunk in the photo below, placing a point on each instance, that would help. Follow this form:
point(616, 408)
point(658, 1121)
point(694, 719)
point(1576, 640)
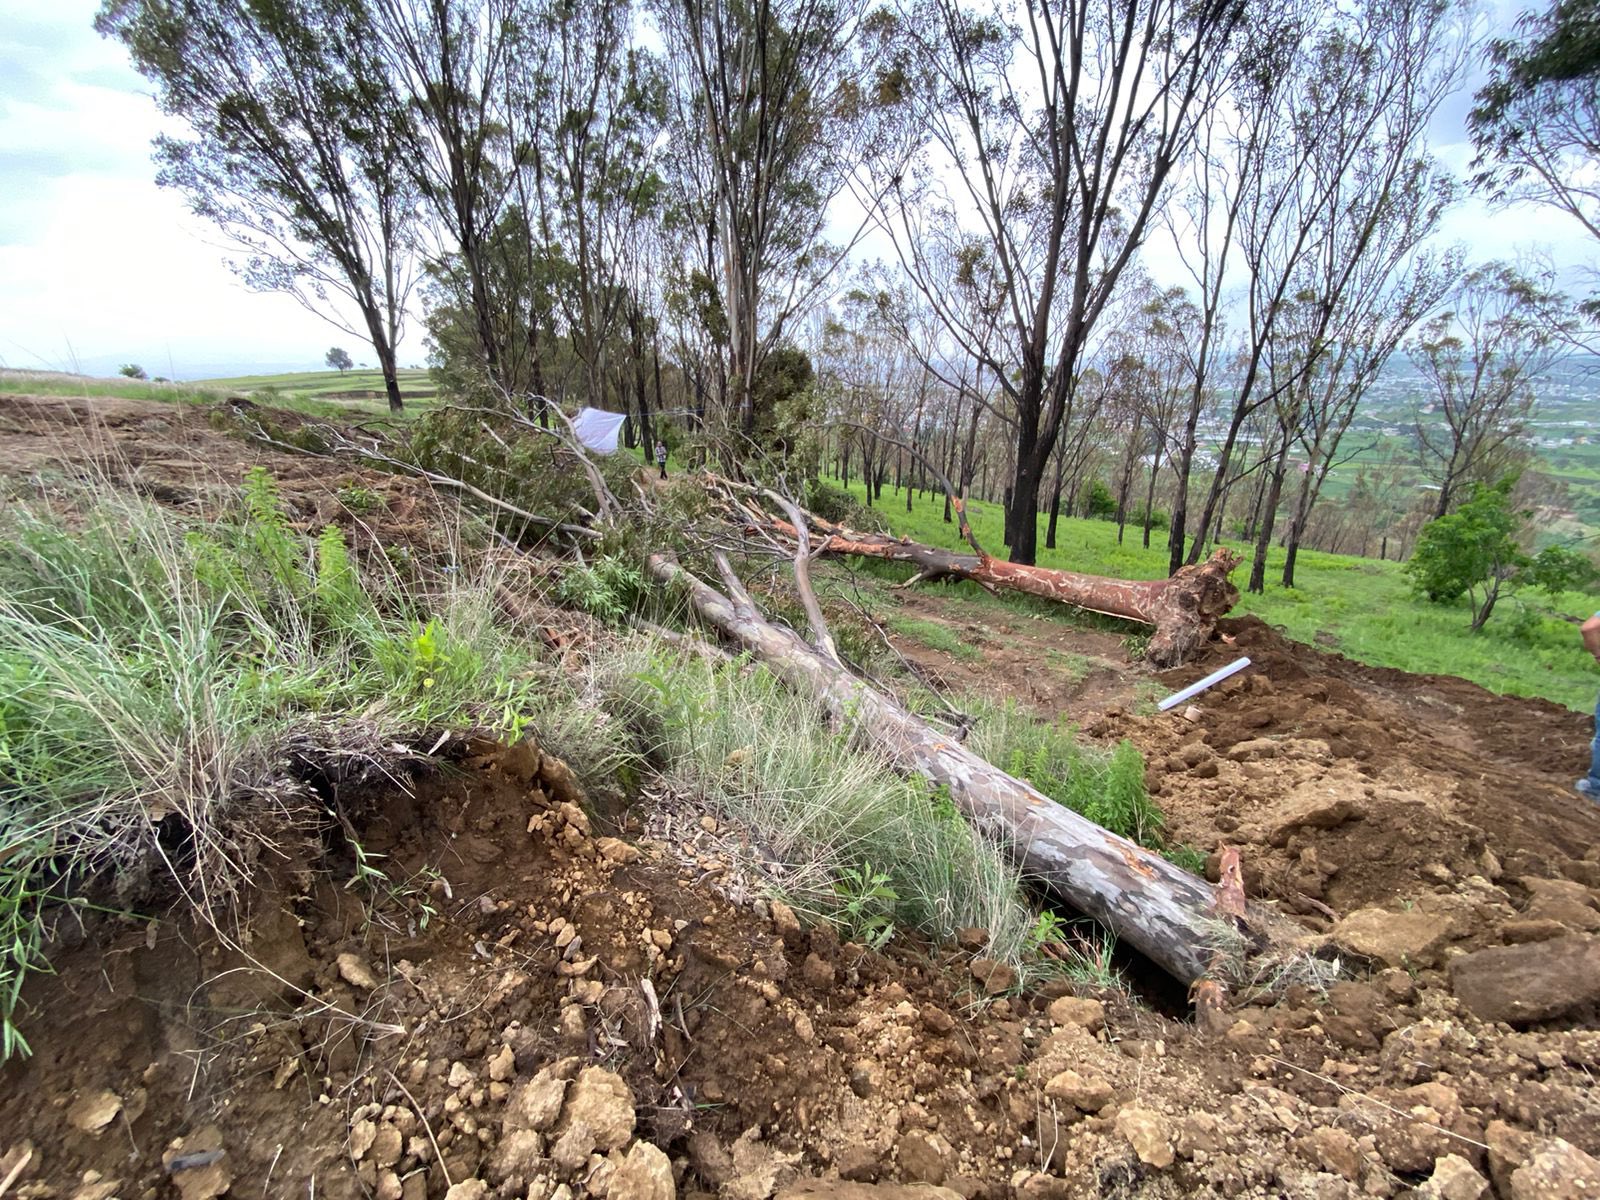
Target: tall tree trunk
point(1267, 518)
point(1150, 496)
point(1055, 500)
point(1309, 486)
point(378, 335)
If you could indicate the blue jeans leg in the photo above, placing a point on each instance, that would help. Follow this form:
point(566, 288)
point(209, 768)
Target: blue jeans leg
point(1594, 753)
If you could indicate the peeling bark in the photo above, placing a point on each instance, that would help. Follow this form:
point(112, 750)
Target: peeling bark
point(1169, 915)
point(1183, 609)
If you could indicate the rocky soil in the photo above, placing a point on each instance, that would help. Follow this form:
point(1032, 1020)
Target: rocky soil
point(554, 999)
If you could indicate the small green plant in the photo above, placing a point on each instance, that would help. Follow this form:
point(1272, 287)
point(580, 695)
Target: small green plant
point(1136, 646)
point(867, 904)
point(408, 896)
point(1049, 930)
point(609, 588)
point(1186, 857)
point(358, 499)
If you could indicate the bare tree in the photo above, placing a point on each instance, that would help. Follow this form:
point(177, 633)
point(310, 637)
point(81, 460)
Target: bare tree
point(1480, 362)
point(291, 150)
point(445, 62)
point(1323, 157)
point(1063, 125)
point(585, 106)
point(773, 104)
point(1536, 123)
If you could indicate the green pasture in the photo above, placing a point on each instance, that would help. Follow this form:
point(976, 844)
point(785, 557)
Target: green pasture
point(1359, 607)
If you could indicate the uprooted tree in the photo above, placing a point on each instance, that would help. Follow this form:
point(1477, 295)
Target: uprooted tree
point(1183, 609)
point(1177, 920)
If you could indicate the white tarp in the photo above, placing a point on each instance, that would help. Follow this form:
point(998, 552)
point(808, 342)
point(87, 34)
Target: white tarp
point(598, 430)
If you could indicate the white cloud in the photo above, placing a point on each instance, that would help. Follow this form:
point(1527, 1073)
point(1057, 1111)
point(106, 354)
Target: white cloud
point(98, 266)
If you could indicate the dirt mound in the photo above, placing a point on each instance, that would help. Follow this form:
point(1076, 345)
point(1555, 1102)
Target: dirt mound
point(506, 993)
point(190, 458)
point(532, 1004)
point(1352, 786)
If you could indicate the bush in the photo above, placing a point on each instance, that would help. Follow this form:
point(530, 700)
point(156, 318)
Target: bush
point(1096, 502)
point(1474, 552)
point(839, 506)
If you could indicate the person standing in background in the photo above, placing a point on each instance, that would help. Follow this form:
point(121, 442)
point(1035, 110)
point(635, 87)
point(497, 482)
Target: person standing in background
point(661, 457)
point(1589, 785)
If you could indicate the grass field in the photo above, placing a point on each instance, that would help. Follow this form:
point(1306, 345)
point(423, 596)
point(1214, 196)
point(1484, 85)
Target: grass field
point(326, 394)
point(1359, 607)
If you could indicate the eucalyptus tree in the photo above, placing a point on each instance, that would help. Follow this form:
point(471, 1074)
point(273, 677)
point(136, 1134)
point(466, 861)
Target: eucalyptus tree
point(1323, 165)
point(1536, 123)
point(1052, 129)
point(290, 148)
point(584, 106)
point(445, 65)
point(1480, 360)
point(773, 105)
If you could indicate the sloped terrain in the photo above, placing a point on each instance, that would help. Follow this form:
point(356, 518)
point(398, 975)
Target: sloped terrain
point(559, 994)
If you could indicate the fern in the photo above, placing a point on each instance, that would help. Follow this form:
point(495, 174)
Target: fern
point(272, 546)
point(341, 601)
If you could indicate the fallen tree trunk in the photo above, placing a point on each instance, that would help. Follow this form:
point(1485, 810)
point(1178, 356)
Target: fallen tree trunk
point(1166, 913)
point(1183, 609)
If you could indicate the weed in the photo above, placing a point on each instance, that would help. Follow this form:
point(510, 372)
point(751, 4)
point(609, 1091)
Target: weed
point(609, 588)
point(1187, 857)
point(1107, 789)
point(866, 905)
point(358, 499)
point(935, 637)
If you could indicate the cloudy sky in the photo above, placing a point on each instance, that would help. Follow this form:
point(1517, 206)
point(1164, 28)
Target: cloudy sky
point(100, 267)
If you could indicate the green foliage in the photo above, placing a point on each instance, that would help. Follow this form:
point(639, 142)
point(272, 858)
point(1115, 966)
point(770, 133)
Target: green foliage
point(866, 905)
point(1107, 789)
point(358, 499)
point(1557, 569)
point(338, 359)
point(1189, 858)
point(512, 463)
point(132, 371)
point(1475, 552)
point(609, 588)
point(340, 599)
point(839, 506)
point(1096, 502)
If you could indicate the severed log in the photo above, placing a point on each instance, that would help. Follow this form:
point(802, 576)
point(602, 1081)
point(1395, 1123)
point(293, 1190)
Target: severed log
point(1166, 913)
point(1183, 609)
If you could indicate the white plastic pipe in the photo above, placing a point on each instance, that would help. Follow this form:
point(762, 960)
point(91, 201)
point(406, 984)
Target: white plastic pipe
point(1194, 689)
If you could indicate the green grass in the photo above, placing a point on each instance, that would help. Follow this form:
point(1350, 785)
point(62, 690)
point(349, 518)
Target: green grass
point(861, 846)
point(324, 395)
point(935, 637)
point(1361, 607)
point(50, 383)
point(152, 676)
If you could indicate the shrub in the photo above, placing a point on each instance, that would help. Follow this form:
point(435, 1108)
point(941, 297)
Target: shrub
point(839, 506)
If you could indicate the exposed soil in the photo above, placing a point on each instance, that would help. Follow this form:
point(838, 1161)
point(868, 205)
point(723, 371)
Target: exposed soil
point(584, 1012)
